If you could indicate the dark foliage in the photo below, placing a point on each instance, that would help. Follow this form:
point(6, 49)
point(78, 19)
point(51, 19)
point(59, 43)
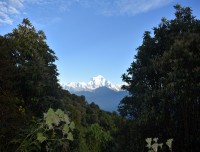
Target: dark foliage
point(163, 82)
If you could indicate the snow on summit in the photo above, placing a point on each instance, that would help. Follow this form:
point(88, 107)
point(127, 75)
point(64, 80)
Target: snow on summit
point(94, 83)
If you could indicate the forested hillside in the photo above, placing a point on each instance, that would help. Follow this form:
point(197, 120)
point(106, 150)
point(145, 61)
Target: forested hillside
point(36, 114)
point(29, 87)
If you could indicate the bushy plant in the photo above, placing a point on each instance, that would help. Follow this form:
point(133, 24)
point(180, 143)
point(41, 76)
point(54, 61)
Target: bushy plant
point(52, 133)
point(154, 146)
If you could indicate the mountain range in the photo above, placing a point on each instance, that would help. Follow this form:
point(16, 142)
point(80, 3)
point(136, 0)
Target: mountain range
point(98, 90)
point(94, 83)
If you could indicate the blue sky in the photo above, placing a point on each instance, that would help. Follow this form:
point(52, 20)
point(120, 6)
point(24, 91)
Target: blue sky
point(91, 37)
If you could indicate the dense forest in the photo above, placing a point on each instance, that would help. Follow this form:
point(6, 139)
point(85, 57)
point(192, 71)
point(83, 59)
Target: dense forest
point(161, 112)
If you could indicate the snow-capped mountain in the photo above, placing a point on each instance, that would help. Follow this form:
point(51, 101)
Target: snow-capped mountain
point(94, 83)
point(98, 90)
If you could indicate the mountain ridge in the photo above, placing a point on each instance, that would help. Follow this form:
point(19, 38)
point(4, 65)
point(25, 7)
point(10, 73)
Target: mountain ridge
point(104, 97)
point(100, 91)
point(94, 83)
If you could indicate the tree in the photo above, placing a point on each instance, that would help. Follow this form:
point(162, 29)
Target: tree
point(97, 138)
point(11, 116)
point(163, 82)
point(34, 74)
point(28, 80)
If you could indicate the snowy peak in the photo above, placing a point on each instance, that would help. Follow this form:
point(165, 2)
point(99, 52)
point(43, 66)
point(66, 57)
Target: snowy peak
point(98, 81)
point(94, 83)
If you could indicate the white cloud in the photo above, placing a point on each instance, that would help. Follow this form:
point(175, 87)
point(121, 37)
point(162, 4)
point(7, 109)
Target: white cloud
point(8, 10)
point(133, 7)
point(16, 3)
point(125, 7)
point(5, 19)
point(106, 7)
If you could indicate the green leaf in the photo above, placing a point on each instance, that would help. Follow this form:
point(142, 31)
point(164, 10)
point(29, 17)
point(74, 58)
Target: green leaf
point(70, 136)
point(169, 143)
point(155, 139)
point(65, 129)
point(72, 126)
point(56, 120)
point(66, 119)
point(149, 140)
point(155, 147)
point(40, 137)
point(49, 118)
point(60, 113)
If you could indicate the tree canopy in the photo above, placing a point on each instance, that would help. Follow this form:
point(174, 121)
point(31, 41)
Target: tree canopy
point(28, 66)
point(163, 83)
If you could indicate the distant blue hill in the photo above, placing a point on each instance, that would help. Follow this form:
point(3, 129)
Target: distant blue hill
point(106, 98)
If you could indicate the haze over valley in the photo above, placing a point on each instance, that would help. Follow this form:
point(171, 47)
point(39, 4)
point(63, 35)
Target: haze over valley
point(100, 91)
